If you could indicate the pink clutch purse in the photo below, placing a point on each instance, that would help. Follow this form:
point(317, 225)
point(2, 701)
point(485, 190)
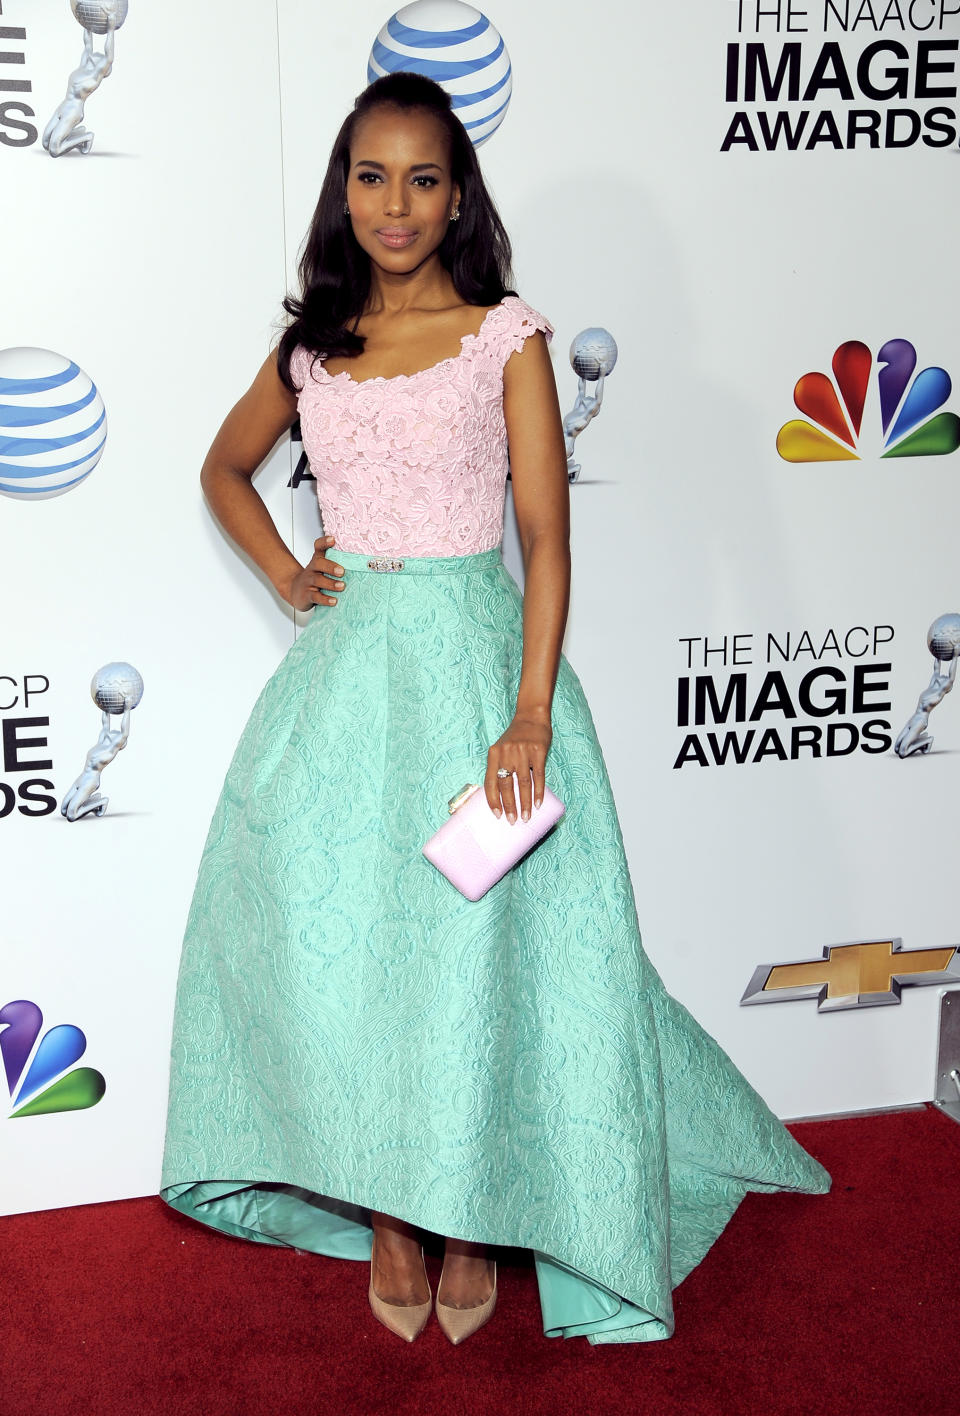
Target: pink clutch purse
point(475, 848)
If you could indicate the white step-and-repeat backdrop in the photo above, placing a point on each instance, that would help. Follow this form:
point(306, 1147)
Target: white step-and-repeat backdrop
point(758, 202)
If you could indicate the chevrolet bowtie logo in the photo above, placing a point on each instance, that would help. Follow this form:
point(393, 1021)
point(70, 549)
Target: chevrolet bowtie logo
point(860, 975)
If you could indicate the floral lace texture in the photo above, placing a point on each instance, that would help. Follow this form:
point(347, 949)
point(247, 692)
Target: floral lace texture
point(416, 464)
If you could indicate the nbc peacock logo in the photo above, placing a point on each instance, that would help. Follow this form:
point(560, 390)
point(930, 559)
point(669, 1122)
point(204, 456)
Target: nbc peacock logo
point(855, 415)
point(51, 1082)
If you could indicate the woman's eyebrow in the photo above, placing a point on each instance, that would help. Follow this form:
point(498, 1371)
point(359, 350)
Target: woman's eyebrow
point(414, 167)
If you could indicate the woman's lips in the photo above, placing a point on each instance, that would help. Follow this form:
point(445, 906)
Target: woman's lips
point(396, 236)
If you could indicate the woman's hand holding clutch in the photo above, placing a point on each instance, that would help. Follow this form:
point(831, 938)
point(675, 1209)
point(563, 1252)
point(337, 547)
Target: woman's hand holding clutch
point(521, 749)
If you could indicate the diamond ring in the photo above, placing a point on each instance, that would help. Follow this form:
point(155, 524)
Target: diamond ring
point(502, 772)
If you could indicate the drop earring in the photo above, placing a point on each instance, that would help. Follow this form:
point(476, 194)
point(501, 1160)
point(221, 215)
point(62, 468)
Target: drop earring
point(455, 215)
point(346, 209)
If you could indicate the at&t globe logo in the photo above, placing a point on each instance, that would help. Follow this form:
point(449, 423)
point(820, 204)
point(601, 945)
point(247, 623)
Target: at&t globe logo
point(53, 425)
point(457, 47)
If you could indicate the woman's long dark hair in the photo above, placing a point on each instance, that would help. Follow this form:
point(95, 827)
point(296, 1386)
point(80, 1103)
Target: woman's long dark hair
point(335, 269)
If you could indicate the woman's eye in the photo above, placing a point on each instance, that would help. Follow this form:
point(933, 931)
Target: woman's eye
point(369, 178)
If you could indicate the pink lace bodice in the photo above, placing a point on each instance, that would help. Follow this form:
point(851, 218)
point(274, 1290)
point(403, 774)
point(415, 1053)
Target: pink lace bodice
point(415, 464)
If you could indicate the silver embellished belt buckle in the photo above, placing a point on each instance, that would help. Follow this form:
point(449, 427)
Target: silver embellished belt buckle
point(385, 563)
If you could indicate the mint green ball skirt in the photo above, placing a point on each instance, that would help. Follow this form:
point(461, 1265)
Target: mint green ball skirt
point(352, 1034)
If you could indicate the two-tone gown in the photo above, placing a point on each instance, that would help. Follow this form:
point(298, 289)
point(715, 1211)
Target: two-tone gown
point(351, 1033)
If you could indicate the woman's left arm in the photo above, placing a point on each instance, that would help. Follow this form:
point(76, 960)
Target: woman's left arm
point(541, 497)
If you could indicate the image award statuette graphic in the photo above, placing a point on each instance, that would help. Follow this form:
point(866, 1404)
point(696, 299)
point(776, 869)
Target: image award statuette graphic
point(116, 689)
point(943, 641)
point(65, 131)
point(593, 355)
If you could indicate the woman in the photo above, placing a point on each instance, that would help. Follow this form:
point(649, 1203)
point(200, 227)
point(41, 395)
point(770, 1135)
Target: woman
point(360, 1054)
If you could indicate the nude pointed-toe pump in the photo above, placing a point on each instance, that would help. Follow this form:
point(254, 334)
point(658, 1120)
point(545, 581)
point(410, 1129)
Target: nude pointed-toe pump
point(460, 1323)
point(407, 1320)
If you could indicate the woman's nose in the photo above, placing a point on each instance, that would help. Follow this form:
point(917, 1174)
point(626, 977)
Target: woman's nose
point(395, 199)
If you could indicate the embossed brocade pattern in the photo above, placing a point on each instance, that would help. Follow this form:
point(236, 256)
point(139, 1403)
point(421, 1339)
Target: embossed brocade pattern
point(417, 464)
point(351, 1033)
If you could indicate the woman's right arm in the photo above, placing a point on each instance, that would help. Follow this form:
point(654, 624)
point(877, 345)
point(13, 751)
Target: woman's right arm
point(249, 431)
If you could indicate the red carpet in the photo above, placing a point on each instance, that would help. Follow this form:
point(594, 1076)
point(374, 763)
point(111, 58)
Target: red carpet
point(806, 1306)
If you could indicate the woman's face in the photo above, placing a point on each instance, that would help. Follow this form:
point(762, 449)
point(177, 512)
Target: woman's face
point(399, 188)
